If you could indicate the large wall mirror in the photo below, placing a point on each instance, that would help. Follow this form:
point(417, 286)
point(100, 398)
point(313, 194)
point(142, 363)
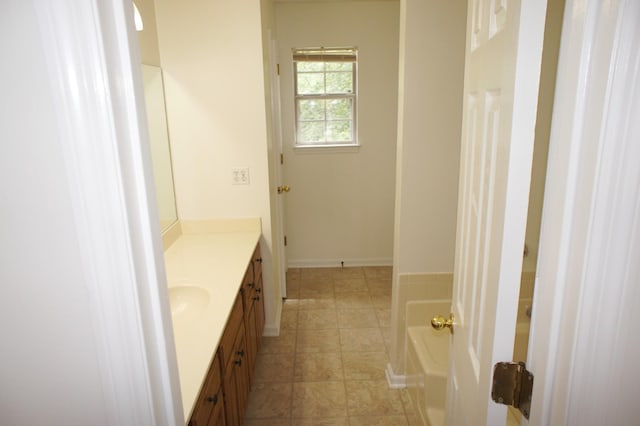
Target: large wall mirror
point(159, 138)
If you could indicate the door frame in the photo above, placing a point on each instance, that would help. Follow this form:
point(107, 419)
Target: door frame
point(590, 215)
point(93, 63)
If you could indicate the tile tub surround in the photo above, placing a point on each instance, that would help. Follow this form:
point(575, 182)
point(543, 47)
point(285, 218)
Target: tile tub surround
point(327, 365)
point(214, 260)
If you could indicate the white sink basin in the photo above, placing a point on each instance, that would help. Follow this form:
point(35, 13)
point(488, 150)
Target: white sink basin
point(187, 302)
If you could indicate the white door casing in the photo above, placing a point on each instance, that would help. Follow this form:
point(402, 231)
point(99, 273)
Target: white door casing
point(502, 72)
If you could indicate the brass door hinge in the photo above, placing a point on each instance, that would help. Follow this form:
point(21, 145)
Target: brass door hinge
point(513, 385)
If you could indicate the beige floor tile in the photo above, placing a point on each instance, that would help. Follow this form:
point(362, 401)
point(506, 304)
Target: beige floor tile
point(315, 273)
point(317, 319)
point(274, 368)
point(357, 300)
point(379, 286)
point(290, 304)
point(361, 340)
point(268, 422)
point(293, 293)
point(316, 367)
point(378, 421)
point(293, 272)
point(289, 319)
point(357, 318)
point(380, 300)
point(318, 341)
point(384, 316)
point(380, 272)
point(372, 398)
point(270, 400)
point(284, 343)
point(319, 399)
point(414, 420)
point(349, 272)
point(325, 292)
point(364, 365)
point(349, 285)
point(321, 421)
point(316, 303)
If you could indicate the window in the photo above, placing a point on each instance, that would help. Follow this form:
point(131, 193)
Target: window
point(325, 96)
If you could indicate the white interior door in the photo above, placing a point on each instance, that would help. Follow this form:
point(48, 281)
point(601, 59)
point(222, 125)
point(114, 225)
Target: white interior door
point(278, 162)
point(502, 71)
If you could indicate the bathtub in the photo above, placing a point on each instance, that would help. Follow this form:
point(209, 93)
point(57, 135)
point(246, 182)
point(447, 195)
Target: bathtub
point(428, 358)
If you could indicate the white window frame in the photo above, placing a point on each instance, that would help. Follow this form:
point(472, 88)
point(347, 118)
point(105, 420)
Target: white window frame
point(341, 54)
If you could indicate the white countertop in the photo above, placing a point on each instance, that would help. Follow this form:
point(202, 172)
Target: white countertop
point(215, 262)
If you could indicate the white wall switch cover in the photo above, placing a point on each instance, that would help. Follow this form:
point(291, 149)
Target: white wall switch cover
point(240, 176)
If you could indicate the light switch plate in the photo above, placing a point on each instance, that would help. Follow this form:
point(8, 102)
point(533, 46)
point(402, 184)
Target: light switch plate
point(240, 176)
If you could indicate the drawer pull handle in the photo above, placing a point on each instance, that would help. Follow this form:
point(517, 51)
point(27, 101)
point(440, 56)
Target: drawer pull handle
point(251, 285)
point(238, 362)
point(213, 399)
point(241, 353)
point(259, 260)
point(256, 298)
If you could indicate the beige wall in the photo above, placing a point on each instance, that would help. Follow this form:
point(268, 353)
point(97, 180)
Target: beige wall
point(553, 28)
point(211, 54)
point(148, 37)
point(341, 203)
point(429, 125)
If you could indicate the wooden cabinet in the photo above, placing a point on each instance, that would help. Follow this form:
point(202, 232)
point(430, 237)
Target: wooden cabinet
point(253, 308)
point(225, 393)
point(209, 409)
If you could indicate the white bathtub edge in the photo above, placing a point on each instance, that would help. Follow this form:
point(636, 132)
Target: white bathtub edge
point(395, 381)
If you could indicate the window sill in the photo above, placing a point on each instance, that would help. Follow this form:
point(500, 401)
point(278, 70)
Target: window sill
point(326, 149)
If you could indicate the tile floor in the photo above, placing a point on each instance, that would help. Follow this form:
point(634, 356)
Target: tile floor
point(327, 365)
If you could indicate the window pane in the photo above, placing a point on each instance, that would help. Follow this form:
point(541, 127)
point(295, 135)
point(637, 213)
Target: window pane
point(339, 109)
point(312, 109)
point(339, 82)
point(339, 66)
point(311, 83)
point(310, 66)
point(339, 131)
point(311, 131)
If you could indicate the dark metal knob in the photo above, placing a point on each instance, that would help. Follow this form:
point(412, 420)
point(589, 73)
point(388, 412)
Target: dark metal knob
point(238, 362)
point(213, 399)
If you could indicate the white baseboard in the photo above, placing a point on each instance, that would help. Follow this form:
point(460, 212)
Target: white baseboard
point(336, 263)
point(271, 331)
point(395, 381)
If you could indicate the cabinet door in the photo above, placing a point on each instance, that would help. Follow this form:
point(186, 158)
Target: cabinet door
point(236, 382)
point(210, 398)
point(259, 314)
point(251, 339)
point(217, 416)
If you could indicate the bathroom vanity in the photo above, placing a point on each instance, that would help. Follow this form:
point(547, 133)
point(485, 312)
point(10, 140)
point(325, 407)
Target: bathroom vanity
point(217, 307)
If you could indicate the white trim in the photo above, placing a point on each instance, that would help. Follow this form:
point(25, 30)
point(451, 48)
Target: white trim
point(271, 331)
point(583, 341)
point(335, 263)
point(92, 61)
point(395, 381)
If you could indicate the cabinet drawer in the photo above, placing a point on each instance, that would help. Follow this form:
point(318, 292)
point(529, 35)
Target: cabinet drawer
point(231, 330)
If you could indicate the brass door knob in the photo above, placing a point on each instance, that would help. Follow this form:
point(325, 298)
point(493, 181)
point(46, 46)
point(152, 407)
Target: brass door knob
point(439, 322)
point(283, 188)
